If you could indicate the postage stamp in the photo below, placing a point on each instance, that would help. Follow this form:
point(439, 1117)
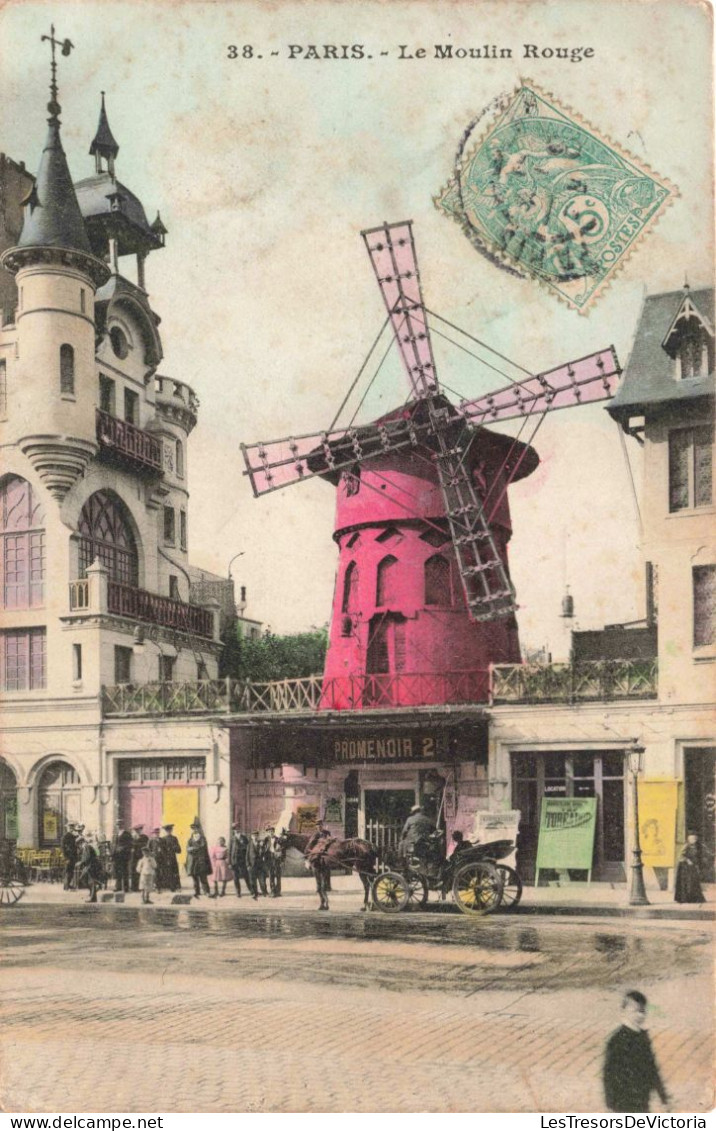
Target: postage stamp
point(543, 195)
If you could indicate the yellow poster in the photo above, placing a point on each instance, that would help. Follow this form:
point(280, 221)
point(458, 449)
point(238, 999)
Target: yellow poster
point(179, 808)
point(49, 825)
point(657, 822)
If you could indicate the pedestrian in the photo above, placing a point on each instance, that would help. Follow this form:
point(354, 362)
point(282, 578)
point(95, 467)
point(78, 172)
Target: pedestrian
point(121, 858)
point(139, 842)
point(274, 859)
point(237, 859)
point(220, 862)
point(630, 1070)
point(256, 864)
point(156, 850)
point(198, 863)
point(316, 851)
point(687, 888)
point(146, 874)
point(171, 849)
point(70, 852)
point(90, 872)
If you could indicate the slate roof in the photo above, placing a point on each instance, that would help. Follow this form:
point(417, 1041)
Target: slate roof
point(104, 142)
point(649, 376)
point(53, 218)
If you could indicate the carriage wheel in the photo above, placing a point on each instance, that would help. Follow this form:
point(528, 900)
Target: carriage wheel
point(390, 892)
point(511, 887)
point(417, 890)
point(11, 891)
point(477, 888)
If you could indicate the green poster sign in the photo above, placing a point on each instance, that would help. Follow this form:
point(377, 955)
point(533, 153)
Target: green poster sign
point(566, 832)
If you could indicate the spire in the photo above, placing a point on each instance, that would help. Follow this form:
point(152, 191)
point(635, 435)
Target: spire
point(104, 144)
point(52, 214)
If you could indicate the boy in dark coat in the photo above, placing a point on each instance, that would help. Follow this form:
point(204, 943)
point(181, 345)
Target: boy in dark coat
point(630, 1072)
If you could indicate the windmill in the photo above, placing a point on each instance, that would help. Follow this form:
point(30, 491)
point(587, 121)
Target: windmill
point(441, 431)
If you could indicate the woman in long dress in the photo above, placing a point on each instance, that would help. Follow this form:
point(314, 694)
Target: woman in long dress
point(688, 873)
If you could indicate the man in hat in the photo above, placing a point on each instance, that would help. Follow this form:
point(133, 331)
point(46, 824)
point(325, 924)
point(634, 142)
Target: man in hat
point(256, 864)
point(274, 859)
point(416, 828)
point(139, 842)
point(121, 857)
point(70, 852)
point(198, 861)
point(171, 848)
point(90, 868)
point(237, 859)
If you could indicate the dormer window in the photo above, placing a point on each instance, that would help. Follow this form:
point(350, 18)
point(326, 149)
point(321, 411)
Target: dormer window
point(690, 342)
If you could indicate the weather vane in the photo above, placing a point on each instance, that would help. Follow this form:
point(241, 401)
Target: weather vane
point(53, 105)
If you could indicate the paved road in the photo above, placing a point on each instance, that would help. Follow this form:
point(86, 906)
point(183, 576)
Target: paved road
point(130, 1009)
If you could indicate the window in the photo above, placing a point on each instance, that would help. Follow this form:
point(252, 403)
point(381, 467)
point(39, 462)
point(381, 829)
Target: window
point(119, 342)
point(166, 669)
point(350, 585)
point(201, 670)
point(106, 534)
point(83, 301)
point(182, 529)
point(122, 664)
point(131, 406)
point(106, 394)
point(169, 525)
point(695, 352)
point(690, 468)
point(386, 587)
point(3, 388)
point(67, 371)
point(22, 546)
point(438, 581)
point(180, 459)
point(23, 659)
point(77, 662)
point(174, 587)
point(704, 587)
point(58, 801)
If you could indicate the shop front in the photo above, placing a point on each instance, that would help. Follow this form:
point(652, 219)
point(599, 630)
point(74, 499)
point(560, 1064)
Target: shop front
point(360, 777)
point(158, 791)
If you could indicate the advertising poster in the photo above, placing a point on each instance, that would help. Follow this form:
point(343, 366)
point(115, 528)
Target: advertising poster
point(566, 833)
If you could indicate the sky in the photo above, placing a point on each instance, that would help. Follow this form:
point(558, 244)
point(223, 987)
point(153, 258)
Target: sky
point(266, 168)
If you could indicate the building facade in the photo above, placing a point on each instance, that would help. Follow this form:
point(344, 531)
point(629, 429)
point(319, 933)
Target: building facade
point(96, 583)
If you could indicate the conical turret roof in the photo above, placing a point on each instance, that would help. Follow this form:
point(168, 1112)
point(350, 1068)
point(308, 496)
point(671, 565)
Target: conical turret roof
point(53, 217)
point(104, 142)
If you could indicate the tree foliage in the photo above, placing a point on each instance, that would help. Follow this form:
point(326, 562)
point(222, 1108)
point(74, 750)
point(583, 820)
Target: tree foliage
point(273, 657)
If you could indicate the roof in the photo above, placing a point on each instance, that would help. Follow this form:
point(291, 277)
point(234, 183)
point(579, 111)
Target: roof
point(649, 377)
point(53, 217)
point(104, 142)
point(95, 194)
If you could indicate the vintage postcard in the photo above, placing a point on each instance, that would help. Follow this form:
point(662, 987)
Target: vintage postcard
point(357, 561)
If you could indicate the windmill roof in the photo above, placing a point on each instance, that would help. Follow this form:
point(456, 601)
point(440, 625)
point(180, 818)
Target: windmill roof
point(53, 218)
point(649, 376)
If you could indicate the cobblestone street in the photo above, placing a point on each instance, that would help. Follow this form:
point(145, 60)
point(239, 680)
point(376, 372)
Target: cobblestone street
point(158, 1009)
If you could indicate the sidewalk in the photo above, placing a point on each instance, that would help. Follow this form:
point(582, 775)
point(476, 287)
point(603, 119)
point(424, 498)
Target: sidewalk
point(298, 894)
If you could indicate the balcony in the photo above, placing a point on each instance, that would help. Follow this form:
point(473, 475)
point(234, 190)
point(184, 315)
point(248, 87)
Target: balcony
point(140, 605)
point(589, 681)
point(124, 443)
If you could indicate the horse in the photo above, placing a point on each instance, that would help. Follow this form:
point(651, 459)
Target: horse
point(355, 854)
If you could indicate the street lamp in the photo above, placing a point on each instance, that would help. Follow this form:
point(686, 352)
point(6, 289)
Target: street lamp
point(239, 555)
point(637, 891)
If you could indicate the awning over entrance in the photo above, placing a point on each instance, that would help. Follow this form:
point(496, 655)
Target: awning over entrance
point(364, 742)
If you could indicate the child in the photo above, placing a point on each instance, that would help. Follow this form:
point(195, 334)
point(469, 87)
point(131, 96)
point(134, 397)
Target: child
point(147, 870)
point(222, 872)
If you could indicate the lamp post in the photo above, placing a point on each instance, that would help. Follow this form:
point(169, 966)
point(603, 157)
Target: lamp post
point(239, 555)
point(637, 891)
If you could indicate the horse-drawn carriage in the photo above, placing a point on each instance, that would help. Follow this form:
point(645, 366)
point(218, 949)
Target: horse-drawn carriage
point(479, 883)
point(13, 875)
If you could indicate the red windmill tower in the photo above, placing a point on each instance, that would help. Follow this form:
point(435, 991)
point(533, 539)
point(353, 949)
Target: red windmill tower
point(423, 601)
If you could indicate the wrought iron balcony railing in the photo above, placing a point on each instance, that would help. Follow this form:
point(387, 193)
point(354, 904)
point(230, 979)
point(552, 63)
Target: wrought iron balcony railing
point(118, 439)
point(583, 682)
point(141, 605)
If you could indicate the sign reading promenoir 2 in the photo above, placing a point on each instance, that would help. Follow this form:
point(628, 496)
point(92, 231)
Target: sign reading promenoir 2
point(545, 196)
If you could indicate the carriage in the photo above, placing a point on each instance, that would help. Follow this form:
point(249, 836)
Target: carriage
point(479, 883)
point(13, 875)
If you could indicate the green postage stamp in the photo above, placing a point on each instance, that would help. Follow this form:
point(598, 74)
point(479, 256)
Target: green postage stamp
point(544, 196)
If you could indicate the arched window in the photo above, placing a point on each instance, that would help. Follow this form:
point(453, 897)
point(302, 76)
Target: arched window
point(438, 581)
point(180, 459)
point(22, 535)
point(67, 370)
point(58, 799)
point(350, 585)
point(386, 586)
point(8, 803)
point(106, 533)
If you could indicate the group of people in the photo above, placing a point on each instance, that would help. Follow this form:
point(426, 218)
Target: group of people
point(255, 859)
point(83, 867)
point(145, 863)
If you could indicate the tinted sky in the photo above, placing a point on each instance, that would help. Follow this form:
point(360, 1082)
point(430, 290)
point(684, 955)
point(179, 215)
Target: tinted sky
point(266, 170)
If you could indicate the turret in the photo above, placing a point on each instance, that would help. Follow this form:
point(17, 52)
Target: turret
point(51, 384)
